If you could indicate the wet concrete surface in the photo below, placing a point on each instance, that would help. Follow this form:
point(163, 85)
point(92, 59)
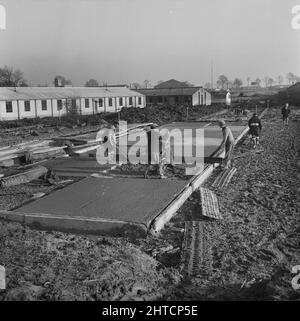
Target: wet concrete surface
point(120, 199)
point(134, 200)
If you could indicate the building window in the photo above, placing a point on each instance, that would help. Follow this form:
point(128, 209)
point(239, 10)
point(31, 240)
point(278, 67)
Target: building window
point(176, 99)
point(100, 102)
point(140, 100)
point(44, 104)
point(109, 102)
point(121, 101)
point(150, 99)
point(9, 108)
point(27, 105)
point(73, 103)
point(87, 103)
point(59, 104)
point(130, 100)
point(160, 99)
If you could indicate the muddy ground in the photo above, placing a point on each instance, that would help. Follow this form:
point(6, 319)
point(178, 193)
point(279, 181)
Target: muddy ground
point(250, 252)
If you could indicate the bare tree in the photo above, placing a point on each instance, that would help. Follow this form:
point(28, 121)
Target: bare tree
point(280, 80)
point(266, 81)
point(258, 81)
point(207, 85)
point(11, 78)
point(92, 83)
point(222, 82)
point(270, 82)
point(290, 78)
point(237, 82)
point(136, 85)
point(229, 84)
point(147, 83)
point(248, 81)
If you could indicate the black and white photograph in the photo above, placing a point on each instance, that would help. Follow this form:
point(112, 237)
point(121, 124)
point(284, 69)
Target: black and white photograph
point(149, 153)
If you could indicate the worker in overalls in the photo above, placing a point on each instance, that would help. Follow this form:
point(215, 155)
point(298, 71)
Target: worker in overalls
point(227, 143)
point(157, 151)
point(106, 152)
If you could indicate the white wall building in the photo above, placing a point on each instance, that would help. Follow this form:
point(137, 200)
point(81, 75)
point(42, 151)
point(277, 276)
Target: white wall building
point(32, 102)
point(195, 96)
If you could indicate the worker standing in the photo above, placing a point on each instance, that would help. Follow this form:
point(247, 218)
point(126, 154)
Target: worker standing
point(228, 143)
point(228, 99)
point(106, 152)
point(254, 124)
point(156, 152)
point(285, 114)
point(112, 143)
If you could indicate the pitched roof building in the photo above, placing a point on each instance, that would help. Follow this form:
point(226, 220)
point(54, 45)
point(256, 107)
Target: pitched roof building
point(31, 102)
point(173, 92)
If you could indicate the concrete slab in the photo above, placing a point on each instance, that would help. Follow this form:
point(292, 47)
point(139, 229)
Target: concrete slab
point(126, 200)
point(212, 135)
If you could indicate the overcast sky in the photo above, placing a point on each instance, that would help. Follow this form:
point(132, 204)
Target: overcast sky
point(124, 41)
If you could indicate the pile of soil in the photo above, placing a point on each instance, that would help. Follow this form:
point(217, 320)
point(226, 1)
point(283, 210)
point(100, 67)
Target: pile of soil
point(57, 266)
point(165, 114)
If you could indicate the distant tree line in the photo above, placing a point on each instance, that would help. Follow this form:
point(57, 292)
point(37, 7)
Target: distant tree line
point(10, 77)
point(224, 83)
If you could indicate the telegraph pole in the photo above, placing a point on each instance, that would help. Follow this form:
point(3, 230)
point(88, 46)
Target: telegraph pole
point(212, 74)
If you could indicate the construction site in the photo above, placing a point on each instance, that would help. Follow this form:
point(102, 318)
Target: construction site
point(72, 229)
point(149, 151)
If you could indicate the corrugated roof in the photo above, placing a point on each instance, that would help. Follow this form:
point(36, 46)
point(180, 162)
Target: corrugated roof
point(27, 93)
point(183, 91)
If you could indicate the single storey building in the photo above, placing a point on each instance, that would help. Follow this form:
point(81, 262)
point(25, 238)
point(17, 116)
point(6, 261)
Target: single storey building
point(195, 96)
point(32, 102)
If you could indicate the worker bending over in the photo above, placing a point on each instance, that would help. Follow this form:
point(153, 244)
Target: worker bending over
point(254, 124)
point(228, 143)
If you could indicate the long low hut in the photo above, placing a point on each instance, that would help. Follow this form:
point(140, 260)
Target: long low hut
point(32, 102)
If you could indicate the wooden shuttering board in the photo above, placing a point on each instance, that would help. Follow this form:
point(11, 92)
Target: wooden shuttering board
point(209, 204)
